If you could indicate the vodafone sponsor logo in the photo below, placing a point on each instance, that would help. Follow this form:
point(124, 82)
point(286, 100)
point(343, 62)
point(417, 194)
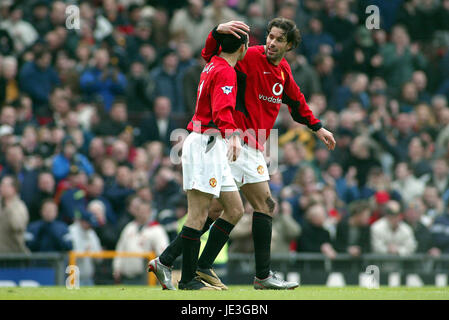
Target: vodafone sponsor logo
point(270, 99)
point(277, 91)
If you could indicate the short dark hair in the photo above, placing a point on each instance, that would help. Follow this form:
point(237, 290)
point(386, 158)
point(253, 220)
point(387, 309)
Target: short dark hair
point(292, 32)
point(230, 43)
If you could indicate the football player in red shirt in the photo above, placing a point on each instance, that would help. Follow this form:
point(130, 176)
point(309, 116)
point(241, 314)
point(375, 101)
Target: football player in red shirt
point(265, 81)
point(212, 144)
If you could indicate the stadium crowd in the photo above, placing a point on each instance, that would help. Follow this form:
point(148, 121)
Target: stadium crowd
point(86, 117)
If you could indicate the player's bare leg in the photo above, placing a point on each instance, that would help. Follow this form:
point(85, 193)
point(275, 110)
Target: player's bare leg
point(259, 195)
point(219, 234)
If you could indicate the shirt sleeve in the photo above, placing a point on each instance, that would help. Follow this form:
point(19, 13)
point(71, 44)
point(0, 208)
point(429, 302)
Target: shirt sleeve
point(223, 98)
point(296, 102)
point(211, 47)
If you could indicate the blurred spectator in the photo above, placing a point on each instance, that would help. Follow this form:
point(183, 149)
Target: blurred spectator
point(400, 59)
point(158, 127)
point(359, 52)
point(139, 92)
point(314, 237)
point(7, 47)
point(440, 176)
point(132, 205)
point(317, 41)
point(191, 24)
point(40, 17)
point(9, 86)
point(13, 217)
point(440, 234)
point(166, 189)
point(304, 74)
point(142, 35)
point(38, 78)
point(68, 157)
point(433, 202)
point(285, 228)
point(354, 91)
point(341, 26)
point(15, 165)
point(116, 121)
point(57, 14)
point(120, 189)
point(291, 159)
point(85, 239)
point(46, 187)
point(98, 24)
point(419, 78)
point(138, 236)
point(97, 152)
point(362, 159)
point(218, 12)
point(103, 80)
point(95, 191)
point(417, 157)
point(105, 230)
point(71, 195)
point(121, 153)
point(22, 32)
point(391, 235)
point(190, 84)
point(413, 216)
point(168, 80)
point(353, 233)
point(408, 186)
point(325, 67)
point(48, 234)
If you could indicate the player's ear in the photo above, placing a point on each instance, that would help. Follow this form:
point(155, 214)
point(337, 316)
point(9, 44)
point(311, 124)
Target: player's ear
point(289, 46)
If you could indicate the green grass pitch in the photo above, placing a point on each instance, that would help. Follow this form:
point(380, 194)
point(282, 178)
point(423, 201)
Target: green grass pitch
point(234, 293)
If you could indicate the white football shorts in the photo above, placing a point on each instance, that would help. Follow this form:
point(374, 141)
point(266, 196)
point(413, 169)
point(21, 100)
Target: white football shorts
point(205, 165)
point(250, 167)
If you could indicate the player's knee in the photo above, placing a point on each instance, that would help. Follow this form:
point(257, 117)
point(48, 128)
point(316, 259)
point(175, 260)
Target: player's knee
point(233, 215)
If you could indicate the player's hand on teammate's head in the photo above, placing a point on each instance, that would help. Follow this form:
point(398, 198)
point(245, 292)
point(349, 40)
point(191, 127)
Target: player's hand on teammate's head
point(233, 27)
point(234, 148)
point(327, 137)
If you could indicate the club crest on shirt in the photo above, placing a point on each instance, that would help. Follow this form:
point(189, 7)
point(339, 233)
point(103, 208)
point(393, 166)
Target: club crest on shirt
point(227, 89)
point(213, 182)
point(260, 169)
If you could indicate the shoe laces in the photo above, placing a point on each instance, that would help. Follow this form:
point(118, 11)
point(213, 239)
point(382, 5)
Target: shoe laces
point(275, 276)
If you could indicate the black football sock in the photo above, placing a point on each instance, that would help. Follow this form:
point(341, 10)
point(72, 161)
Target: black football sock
point(218, 236)
point(190, 250)
point(174, 249)
point(261, 228)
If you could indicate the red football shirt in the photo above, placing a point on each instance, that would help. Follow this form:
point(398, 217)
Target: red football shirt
point(263, 87)
point(217, 92)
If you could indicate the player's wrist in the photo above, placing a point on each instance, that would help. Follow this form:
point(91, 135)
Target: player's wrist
point(315, 127)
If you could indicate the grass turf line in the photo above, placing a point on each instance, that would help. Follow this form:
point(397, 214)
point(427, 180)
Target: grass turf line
point(234, 293)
